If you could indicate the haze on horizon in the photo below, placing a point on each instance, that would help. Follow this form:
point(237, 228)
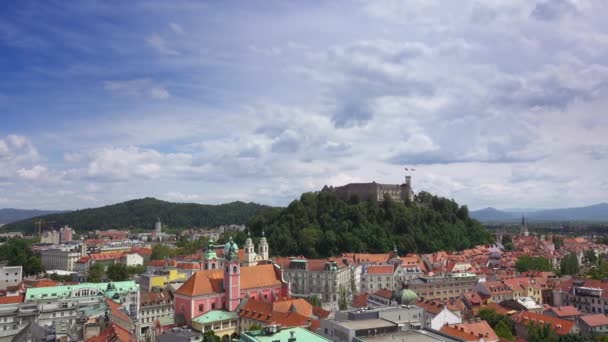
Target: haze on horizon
point(494, 104)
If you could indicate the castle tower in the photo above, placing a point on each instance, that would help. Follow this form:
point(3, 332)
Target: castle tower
point(524, 226)
point(232, 277)
point(249, 252)
point(263, 247)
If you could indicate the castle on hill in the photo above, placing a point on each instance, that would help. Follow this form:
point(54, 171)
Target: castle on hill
point(374, 191)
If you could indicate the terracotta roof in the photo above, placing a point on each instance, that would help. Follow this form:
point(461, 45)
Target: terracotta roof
point(320, 312)
point(471, 331)
point(143, 251)
point(380, 269)
point(561, 326)
point(433, 307)
point(211, 281)
point(106, 256)
point(113, 333)
point(595, 320)
point(11, 299)
point(116, 311)
point(265, 312)
point(299, 305)
point(45, 283)
point(153, 298)
point(564, 311)
point(360, 300)
point(83, 260)
point(189, 266)
point(384, 293)
point(498, 308)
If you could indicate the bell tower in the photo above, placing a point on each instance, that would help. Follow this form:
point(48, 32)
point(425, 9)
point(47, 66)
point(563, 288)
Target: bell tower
point(263, 247)
point(232, 277)
point(249, 251)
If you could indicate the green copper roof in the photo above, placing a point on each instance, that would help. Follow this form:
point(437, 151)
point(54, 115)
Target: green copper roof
point(215, 316)
point(66, 291)
point(405, 296)
point(300, 334)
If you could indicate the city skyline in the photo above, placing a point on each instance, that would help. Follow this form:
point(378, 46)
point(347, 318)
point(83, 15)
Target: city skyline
point(494, 105)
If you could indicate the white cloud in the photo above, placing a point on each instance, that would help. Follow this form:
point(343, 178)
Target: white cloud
point(138, 87)
point(34, 173)
point(176, 28)
point(160, 44)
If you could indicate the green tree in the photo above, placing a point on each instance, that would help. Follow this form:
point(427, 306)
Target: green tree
point(160, 252)
point(541, 333)
point(255, 327)
point(210, 336)
point(569, 265)
point(137, 269)
point(504, 331)
point(526, 263)
point(343, 299)
point(314, 300)
point(96, 274)
point(18, 252)
point(589, 256)
point(118, 272)
point(576, 338)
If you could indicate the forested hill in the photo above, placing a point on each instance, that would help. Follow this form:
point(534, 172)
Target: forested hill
point(9, 215)
point(142, 213)
point(320, 225)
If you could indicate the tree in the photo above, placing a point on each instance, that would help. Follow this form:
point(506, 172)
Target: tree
point(577, 338)
point(314, 300)
point(526, 263)
point(504, 331)
point(137, 269)
point(589, 256)
point(210, 336)
point(255, 326)
point(18, 252)
point(96, 274)
point(160, 252)
point(118, 272)
point(343, 300)
point(569, 265)
point(541, 333)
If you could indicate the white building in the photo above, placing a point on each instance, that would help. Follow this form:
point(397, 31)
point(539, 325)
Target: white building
point(10, 276)
point(61, 258)
point(132, 259)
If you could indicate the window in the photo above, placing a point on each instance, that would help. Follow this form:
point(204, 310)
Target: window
point(212, 306)
point(234, 269)
point(201, 307)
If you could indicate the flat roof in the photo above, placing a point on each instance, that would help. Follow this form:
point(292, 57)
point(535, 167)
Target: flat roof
point(410, 336)
point(366, 324)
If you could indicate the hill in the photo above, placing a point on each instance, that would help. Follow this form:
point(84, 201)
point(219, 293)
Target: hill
point(142, 213)
point(321, 225)
point(592, 213)
point(9, 215)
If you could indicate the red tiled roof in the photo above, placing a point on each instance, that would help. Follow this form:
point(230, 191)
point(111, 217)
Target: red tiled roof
point(265, 312)
point(143, 251)
point(380, 269)
point(113, 333)
point(564, 311)
point(595, 320)
point(210, 281)
point(116, 311)
point(152, 298)
point(498, 308)
point(561, 326)
point(471, 331)
point(384, 293)
point(106, 256)
point(11, 299)
point(360, 300)
point(45, 283)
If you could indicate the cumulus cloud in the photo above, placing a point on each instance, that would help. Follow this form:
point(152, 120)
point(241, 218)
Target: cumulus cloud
point(159, 43)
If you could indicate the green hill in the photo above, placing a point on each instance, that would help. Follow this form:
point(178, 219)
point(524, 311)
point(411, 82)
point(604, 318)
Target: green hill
point(142, 213)
point(320, 225)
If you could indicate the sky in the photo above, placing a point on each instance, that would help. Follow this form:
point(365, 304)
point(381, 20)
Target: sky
point(493, 103)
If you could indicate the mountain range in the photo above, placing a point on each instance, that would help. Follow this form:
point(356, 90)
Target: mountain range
point(143, 213)
point(592, 213)
point(9, 215)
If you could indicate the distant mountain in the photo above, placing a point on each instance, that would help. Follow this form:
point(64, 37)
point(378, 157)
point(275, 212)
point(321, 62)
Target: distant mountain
point(9, 215)
point(142, 213)
point(592, 213)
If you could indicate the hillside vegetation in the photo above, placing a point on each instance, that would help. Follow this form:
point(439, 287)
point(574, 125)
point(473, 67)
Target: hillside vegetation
point(142, 213)
point(321, 225)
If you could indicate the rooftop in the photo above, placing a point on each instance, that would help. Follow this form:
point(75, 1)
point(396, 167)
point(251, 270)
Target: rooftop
point(300, 334)
point(66, 291)
point(409, 335)
point(215, 316)
point(595, 320)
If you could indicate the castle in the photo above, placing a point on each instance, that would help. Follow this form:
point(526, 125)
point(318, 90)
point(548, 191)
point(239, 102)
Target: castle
point(374, 191)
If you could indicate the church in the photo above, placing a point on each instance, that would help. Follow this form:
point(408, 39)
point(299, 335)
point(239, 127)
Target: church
point(224, 283)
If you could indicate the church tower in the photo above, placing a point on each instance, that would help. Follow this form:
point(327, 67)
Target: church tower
point(524, 226)
point(249, 252)
point(232, 277)
point(263, 247)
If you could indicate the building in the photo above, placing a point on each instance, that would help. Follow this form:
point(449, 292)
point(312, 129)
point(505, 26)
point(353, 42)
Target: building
point(374, 191)
point(346, 326)
point(159, 279)
point(288, 312)
point(273, 334)
point(10, 276)
point(587, 295)
point(317, 277)
point(495, 290)
point(132, 259)
point(51, 237)
point(180, 335)
point(524, 319)
point(60, 258)
point(593, 325)
point(65, 234)
point(474, 331)
point(154, 306)
point(564, 312)
point(375, 277)
point(443, 287)
point(224, 324)
point(437, 314)
point(224, 288)
point(251, 257)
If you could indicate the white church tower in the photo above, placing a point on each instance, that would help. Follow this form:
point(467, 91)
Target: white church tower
point(263, 247)
point(250, 256)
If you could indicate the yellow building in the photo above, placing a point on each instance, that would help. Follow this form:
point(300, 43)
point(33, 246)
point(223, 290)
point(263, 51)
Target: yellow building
point(223, 323)
point(161, 279)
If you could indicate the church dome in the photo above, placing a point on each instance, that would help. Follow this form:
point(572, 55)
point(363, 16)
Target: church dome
point(405, 296)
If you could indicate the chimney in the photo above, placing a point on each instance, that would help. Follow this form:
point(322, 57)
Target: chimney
point(292, 337)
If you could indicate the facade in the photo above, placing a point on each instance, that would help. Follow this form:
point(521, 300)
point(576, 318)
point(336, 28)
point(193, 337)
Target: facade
point(132, 259)
point(224, 288)
point(65, 234)
point(223, 323)
point(475, 331)
point(495, 290)
point(153, 307)
point(588, 296)
point(374, 191)
point(51, 237)
point(10, 276)
point(593, 325)
point(375, 277)
point(443, 287)
point(524, 319)
point(160, 279)
point(61, 258)
point(437, 315)
point(320, 277)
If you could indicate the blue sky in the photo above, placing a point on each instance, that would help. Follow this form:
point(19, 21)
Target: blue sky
point(494, 103)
